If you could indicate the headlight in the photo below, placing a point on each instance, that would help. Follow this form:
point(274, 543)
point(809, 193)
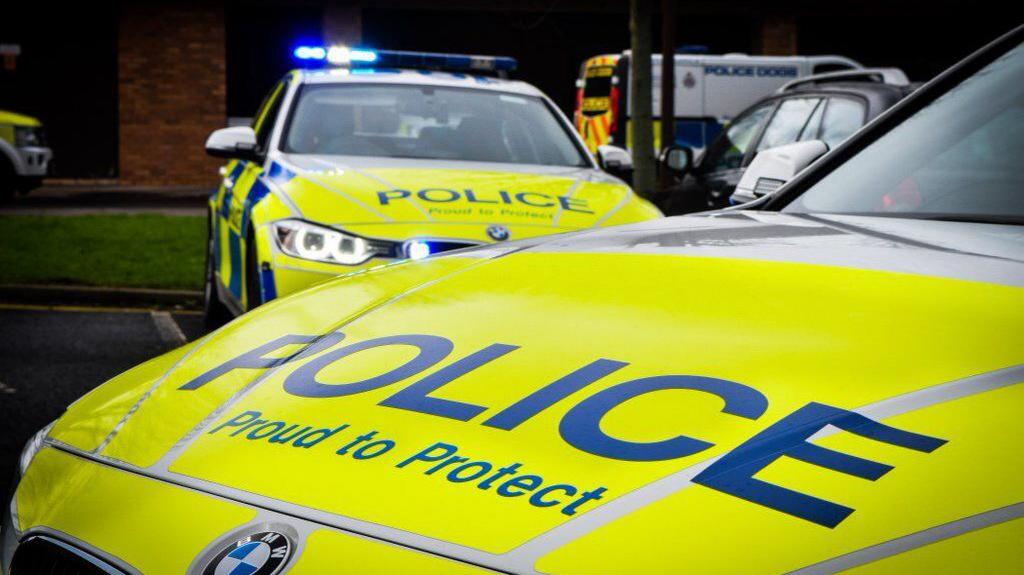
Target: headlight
point(318, 243)
point(25, 136)
point(32, 448)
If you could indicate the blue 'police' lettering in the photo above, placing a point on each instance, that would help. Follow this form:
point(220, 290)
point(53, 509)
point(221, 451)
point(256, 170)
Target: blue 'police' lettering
point(573, 204)
point(734, 472)
point(581, 427)
point(552, 393)
point(438, 195)
point(521, 196)
point(527, 198)
point(471, 197)
point(303, 382)
point(415, 397)
point(385, 197)
point(254, 359)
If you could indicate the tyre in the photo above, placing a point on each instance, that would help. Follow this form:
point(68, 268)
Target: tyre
point(27, 184)
point(8, 180)
point(215, 313)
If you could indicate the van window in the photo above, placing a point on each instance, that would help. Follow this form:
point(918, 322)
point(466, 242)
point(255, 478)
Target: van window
point(597, 87)
point(830, 67)
point(788, 121)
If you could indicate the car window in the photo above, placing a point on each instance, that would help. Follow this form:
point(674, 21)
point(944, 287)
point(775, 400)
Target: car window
point(787, 123)
point(407, 121)
point(957, 158)
point(265, 119)
point(842, 118)
point(728, 150)
point(813, 126)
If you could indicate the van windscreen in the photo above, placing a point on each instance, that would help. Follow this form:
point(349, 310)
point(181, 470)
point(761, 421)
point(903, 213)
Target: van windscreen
point(598, 87)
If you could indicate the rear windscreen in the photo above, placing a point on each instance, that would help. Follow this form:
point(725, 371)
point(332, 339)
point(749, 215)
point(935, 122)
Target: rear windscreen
point(598, 87)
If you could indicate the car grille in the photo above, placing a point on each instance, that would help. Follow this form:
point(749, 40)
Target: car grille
point(42, 555)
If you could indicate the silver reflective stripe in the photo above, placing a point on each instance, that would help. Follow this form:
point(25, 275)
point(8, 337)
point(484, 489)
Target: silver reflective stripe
point(309, 177)
point(528, 553)
point(149, 392)
point(625, 200)
point(914, 541)
point(380, 181)
point(569, 193)
point(185, 442)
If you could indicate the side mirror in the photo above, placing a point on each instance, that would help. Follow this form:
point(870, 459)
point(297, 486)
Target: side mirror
point(774, 167)
point(237, 143)
point(615, 160)
point(676, 159)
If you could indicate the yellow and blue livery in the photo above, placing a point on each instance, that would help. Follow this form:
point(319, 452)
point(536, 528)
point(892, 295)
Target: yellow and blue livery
point(345, 168)
point(828, 381)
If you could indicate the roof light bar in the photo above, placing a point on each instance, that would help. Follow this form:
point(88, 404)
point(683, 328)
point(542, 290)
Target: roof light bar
point(354, 57)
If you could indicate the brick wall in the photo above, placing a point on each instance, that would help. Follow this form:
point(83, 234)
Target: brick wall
point(171, 76)
point(778, 36)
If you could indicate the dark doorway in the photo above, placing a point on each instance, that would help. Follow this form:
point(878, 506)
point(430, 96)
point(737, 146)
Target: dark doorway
point(66, 76)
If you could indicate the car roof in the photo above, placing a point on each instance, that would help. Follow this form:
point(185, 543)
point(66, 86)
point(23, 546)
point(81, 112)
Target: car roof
point(879, 96)
point(415, 78)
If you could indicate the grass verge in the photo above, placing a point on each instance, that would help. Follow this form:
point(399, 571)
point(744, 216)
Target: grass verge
point(145, 250)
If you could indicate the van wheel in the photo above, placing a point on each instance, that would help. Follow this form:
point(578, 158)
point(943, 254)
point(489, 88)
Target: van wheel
point(8, 181)
point(215, 313)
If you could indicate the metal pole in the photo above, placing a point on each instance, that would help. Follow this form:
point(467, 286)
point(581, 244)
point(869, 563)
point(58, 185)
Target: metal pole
point(668, 82)
point(640, 91)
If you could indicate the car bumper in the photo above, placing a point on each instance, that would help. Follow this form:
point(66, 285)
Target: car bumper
point(34, 161)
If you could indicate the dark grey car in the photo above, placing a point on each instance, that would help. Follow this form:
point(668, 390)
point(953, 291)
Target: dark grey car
point(829, 107)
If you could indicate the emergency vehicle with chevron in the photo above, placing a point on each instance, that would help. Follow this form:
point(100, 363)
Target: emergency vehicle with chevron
point(828, 380)
point(365, 157)
point(709, 90)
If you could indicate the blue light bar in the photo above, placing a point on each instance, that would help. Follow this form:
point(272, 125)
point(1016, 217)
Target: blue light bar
point(310, 53)
point(439, 61)
point(355, 57)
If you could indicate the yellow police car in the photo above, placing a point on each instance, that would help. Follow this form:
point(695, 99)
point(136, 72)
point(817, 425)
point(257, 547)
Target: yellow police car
point(24, 156)
point(382, 155)
point(832, 383)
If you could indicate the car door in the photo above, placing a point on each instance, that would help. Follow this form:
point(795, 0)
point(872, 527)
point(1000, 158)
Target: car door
point(240, 176)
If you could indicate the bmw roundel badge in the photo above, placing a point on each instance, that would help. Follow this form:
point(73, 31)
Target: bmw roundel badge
point(498, 232)
point(262, 553)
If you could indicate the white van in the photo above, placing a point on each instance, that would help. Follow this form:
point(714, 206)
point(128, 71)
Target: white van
point(709, 91)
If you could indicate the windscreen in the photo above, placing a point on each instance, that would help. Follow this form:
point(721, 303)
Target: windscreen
point(958, 158)
point(429, 122)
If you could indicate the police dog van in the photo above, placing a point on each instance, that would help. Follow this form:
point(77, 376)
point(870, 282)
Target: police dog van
point(710, 90)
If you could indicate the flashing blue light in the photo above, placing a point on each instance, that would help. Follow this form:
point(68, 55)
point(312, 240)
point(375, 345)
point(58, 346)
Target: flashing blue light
point(310, 53)
point(367, 56)
point(355, 57)
point(417, 249)
point(451, 62)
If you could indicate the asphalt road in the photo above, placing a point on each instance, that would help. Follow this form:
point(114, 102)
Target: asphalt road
point(51, 356)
